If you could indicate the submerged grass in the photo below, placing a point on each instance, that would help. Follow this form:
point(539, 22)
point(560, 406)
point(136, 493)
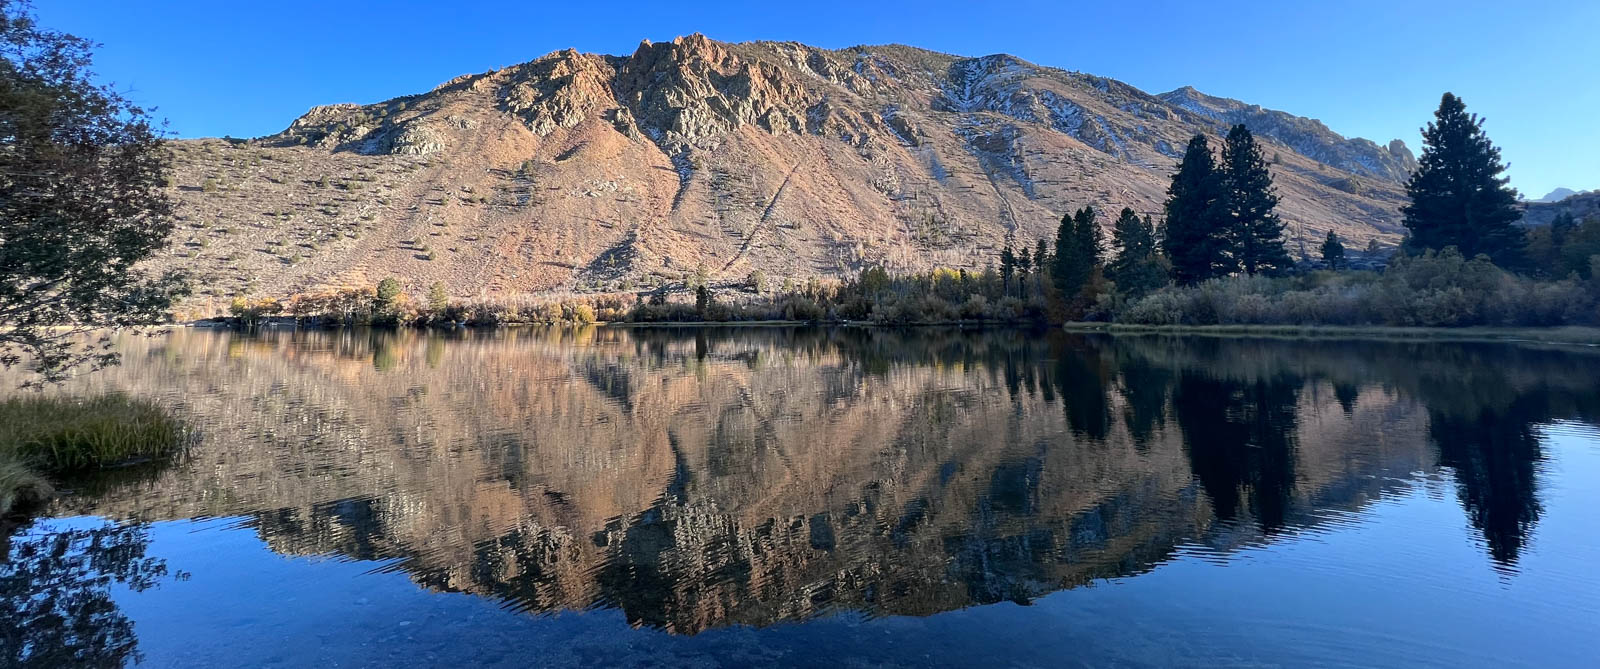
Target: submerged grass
point(42, 437)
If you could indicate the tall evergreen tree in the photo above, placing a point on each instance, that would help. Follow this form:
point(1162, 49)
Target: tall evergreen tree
point(1062, 273)
point(1255, 234)
point(1008, 263)
point(1041, 257)
point(1196, 213)
point(1077, 251)
point(1458, 196)
point(1333, 251)
point(1136, 269)
point(1089, 246)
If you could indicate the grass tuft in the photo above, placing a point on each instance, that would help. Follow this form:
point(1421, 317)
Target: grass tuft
point(59, 435)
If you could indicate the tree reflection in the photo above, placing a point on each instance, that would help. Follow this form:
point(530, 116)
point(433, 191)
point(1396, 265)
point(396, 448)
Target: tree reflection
point(1082, 379)
point(1492, 454)
point(1240, 441)
point(55, 595)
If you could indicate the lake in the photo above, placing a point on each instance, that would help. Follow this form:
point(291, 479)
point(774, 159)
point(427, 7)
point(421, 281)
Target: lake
point(829, 497)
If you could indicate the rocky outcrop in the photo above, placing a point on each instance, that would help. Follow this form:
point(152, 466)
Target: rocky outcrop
point(798, 161)
point(1306, 136)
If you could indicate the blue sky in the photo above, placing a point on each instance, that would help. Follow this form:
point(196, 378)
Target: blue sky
point(1369, 69)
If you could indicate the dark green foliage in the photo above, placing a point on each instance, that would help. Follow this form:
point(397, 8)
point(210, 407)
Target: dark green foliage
point(1458, 196)
point(1077, 253)
point(82, 201)
point(1195, 239)
point(1565, 247)
point(1333, 251)
point(1025, 261)
point(1008, 261)
point(1255, 234)
point(702, 300)
point(1137, 268)
point(1042, 260)
point(1563, 224)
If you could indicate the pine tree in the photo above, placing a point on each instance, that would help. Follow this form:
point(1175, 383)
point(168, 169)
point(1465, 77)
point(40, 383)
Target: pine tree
point(1458, 196)
point(1136, 269)
point(1041, 257)
point(1061, 272)
point(1196, 211)
point(438, 298)
point(1088, 234)
point(1255, 234)
point(1333, 251)
point(1008, 263)
point(1077, 252)
point(1024, 265)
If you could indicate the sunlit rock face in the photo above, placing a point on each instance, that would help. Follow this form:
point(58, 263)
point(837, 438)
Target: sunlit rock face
point(592, 172)
point(701, 478)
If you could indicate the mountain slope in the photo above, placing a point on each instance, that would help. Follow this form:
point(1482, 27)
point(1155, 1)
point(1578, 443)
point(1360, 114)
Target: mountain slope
point(587, 172)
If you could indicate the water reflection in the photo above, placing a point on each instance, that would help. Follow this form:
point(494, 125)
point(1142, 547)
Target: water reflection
point(55, 593)
point(705, 477)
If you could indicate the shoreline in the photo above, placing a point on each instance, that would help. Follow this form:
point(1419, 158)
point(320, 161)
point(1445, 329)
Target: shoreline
point(1562, 334)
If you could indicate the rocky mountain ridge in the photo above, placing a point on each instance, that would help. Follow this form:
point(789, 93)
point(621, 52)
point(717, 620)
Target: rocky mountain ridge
point(583, 172)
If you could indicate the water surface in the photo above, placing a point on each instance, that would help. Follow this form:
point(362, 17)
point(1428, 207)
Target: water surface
point(817, 497)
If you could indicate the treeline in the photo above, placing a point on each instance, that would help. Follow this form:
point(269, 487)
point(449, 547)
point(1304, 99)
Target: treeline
point(1466, 260)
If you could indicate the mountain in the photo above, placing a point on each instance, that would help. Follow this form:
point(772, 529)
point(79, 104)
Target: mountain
point(1557, 195)
point(583, 172)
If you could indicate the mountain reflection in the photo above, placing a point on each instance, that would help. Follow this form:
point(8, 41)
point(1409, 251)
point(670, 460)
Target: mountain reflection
point(706, 477)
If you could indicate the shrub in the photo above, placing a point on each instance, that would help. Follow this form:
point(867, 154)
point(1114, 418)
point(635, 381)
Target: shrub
point(1433, 289)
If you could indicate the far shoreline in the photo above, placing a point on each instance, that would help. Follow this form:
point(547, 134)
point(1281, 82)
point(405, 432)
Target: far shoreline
point(1561, 334)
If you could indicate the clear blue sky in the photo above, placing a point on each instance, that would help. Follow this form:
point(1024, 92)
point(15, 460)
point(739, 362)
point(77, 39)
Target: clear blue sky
point(1366, 68)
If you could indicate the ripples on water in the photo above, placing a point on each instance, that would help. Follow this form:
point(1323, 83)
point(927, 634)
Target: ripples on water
point(703, 486)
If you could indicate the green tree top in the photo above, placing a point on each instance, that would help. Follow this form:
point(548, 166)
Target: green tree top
point(1196, 216)
point(1255, 233)
point(1458, 196)
point(1136, 269)
point(1333, 251)
point(1077, 251)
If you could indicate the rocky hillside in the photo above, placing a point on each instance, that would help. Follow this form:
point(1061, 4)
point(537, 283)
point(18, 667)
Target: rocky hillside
point(1308, 137)
point(1580, 205)
point(582, 172)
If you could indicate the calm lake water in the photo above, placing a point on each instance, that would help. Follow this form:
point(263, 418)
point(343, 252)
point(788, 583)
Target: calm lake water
point(833, 498)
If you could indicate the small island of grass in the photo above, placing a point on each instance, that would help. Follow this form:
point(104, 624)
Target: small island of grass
point(44, 438)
